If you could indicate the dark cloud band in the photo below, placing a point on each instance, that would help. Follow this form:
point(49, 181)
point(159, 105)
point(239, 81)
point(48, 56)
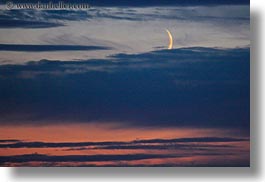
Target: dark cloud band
point(116, 144)
point(48, 48)
point(80, 158)
point(182, 87)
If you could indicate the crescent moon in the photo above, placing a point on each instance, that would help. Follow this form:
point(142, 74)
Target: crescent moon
point(170, 44)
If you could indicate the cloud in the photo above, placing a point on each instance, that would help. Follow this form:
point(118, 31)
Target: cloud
point(81, 158)
point(119, 159)
point(25, 19)
point(133, 89)
point(216, 26)
point(48, 48)
point(27, 24)
point(197, 147)
point(9, 141)
point(30, 18)
point(178, 142)
point(167, 149)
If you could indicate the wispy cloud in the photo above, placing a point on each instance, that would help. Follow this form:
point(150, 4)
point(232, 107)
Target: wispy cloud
point(216, 26)
point(9, 141)
point(81, 158)
point(27, 24)
point(179, 142)
point(168, 149)
point(48, 48)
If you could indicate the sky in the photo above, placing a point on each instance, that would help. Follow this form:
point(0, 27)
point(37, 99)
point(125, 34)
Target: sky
point(98, 87)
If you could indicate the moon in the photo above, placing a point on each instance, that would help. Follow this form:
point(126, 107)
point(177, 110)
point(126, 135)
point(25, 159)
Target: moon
point(170, 44)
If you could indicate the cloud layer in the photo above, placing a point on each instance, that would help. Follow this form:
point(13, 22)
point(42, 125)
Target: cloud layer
point(114, 27)
point(168, 149)
point(48, 48)
point(136, 144)
point(181, 87)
